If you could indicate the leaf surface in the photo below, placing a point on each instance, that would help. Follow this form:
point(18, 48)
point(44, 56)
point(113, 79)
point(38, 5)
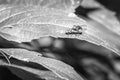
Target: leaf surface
point(59, 68)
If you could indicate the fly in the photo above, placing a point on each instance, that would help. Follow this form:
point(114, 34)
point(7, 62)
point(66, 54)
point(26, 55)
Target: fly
point(76, 29)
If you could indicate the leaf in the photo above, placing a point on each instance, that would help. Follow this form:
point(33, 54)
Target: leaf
point(19, 70)
point(59, 68)
point(39, 22)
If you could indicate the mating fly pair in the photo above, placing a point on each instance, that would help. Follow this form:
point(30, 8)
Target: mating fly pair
point(75, 30)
